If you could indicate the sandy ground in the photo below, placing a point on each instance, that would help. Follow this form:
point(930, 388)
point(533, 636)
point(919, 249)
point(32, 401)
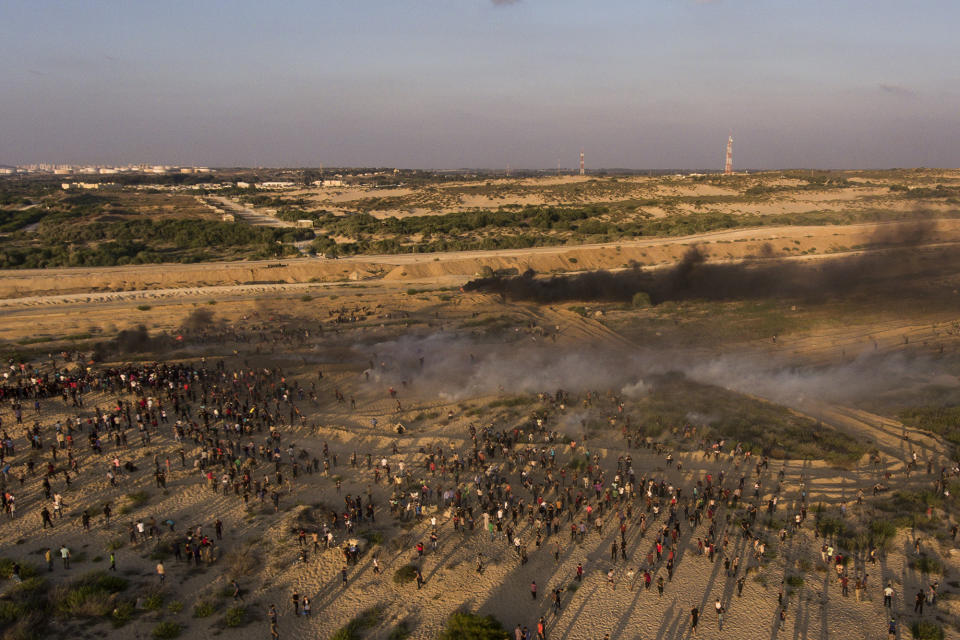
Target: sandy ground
point(302, 296)
point(815, 610)
point(29, 284)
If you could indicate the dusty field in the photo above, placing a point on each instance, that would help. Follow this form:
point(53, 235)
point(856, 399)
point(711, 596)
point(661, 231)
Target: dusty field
point(842, 365)
point(773, 192)
point(27, 285)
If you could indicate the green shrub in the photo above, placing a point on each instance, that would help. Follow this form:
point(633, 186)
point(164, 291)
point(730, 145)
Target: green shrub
point(204, 608)
point(122, 613)
point(882, 533)
point(795, 581)
point(166, 630)
point(372, 537)
point(90, 596)
point(175, 607)
point(927, 565)
point(405, 574)
point(236, 616)
point(154, 601)
point(641, 300)
point(469, 626)
point(923, 630)
point(143, 307)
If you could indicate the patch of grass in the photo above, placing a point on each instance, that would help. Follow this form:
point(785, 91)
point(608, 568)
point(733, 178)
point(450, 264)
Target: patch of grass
point(26, 570)
point(122, 613)
point(90, 596)
point(24, 611)
point(175, 606)
point(512, 401)
point(153, 601)
point(365, 620)
point(940, 420)
point(166, 630)
point(927, 565)
point(469, 626)
point(882, 533)
point(204, 608)
point(372, 537)
point(795, 581)
point(405, 574)
point(923, 630)
point(236, 616)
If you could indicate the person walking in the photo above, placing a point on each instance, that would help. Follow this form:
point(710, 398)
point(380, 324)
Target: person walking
point(533, 589)
point(272, 614)
point(113, 561)
point(161, 572)
point(888, 595)
point(65, 556)
point(694, 620)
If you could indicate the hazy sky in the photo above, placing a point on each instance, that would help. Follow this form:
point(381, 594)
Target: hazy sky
point(481, 83)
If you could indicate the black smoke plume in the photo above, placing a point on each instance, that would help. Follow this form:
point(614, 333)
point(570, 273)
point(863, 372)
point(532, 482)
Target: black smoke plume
point(903, 256)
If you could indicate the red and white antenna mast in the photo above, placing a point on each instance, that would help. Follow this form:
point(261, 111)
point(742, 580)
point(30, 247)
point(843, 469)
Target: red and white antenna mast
point(582, 172)
point(728, 167)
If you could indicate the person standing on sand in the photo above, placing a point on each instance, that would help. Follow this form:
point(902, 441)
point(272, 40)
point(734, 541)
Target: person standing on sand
point(694, 620)
point(272, 614)
point(161, 572)
point(533, 589)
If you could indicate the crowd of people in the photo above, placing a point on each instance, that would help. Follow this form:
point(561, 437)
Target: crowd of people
point(512, 491)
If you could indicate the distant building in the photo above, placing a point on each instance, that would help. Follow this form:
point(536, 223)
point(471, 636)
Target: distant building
point(228, 217)
point(304, 224)
point(274, 185)
point(243, 185)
